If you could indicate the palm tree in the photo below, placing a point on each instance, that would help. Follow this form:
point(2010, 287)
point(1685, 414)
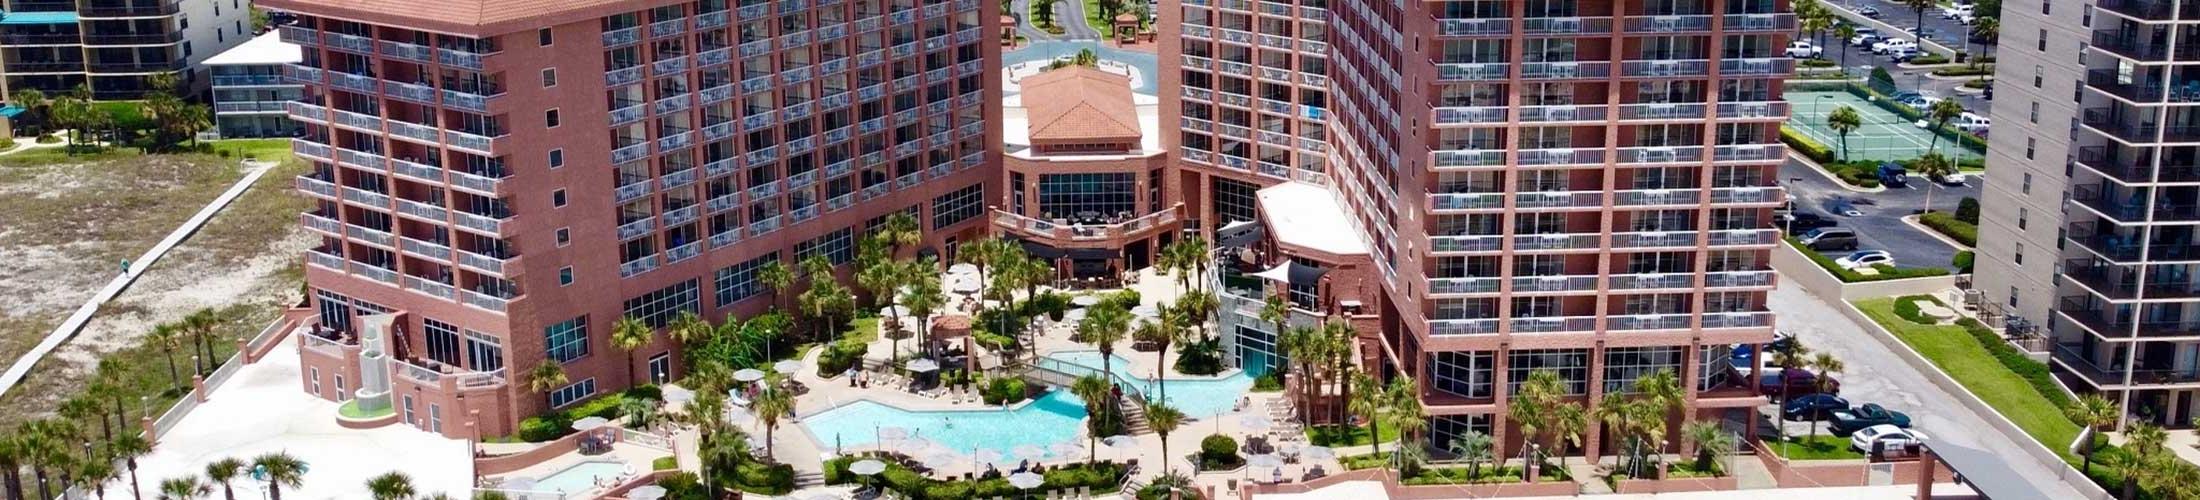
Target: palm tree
point(44, 443)
point(1092, 390)
point(775, 277)
point(546, 377)
point(1844, 120)
point(1406, 412)
point(1918, 7)
point(223, 471)
point(189, 488)
point(1105, 324)
point(1791, 358)
point(1813, 18)
point(168, 337)
point(825, 300)
point(689, 329)
point(1530, 409)
point(1164, 419)
point(33, 103)
point(1826, 365)
point(2095, 413)
point(2132, 468)
point(922, 297)
point(1301, 346)
point(1988, 28)
point(1569, 425)
point(391, 485)
point(1940, 113)
point(280, 470)
point(1932, 166)
point(1841, 35)
point(200, 325)
point(2145, 438)
point(1338, 338)
point(1617, 412)
point(1474, 447)
point(1162, 331)
point(900, 230)
point(102, 389)
point(884, 278)
point(630, 334)
point(11, 466)
point(90, 475)
point(127, 448)
point(771, 405)
point(1711, 441)
point(1372, 405)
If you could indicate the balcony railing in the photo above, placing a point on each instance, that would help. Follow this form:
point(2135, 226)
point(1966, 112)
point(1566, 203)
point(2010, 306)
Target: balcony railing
point(1563, 113)
point(1657, 197)
point(1466, 201)
point(1475, 326)
point(1565, 25)
point(157, 8)
point(1653, 281)
point(1558, 199)
point(1468, 115)
point(1533, 284)
point(2133, 46)
point(1464, 285)
point(1555, 324)
point(1638, 322)
point(1654, 239)
point(1468, 72)
point(1474, 27)
point(2151, 10)
point(1666, 68)
point(1466, 243)
point(1752, 319)
point(1668, 24)
point(1568, 70)
point(1775, 23)
point(1738, 279)
point(1536, 242)
point(2116, 374)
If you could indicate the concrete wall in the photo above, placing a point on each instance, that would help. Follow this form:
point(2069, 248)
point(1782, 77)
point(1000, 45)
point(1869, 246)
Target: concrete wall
point(2030, 150)
point(1794, 266)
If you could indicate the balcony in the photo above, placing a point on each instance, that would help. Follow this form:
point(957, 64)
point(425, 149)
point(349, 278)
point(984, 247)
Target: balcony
point(1657, 198)
point(433, 288)
point(317, 187)
point(32, 39)
point(1555, 242)
point(483, 300)
point(1469, 115)
point(1555, 324)
point(1553, 284)
point(1654, 239)
point(1566, 25)
point(637, 228)
point(1456, 286)
point(1473, 27)
point(2106, 280)
point(1061, 232)
point(482, 223)
point(134, 66)
point(2111, 163)
point(638, 266)
point(1661, 111)
point(1640, 322)
point(2123, 205)
point(1567, 70)
point(424, 249)
point(1653, 281)
point(1743, 237)
point(26, 67)
point(472, 142)
point(1747, 196)
point(2116, 375)
point(2106, 324)
point(1668, 24)
point(1746, 319)
point(2109, 245)
point(1748, 153)
point(2132, 46)
point(1739, 279)
point(1442, 202)
point(1561, 157)
point(2145, 88)
point(1467, 326)
point(119, 9)
point(1466, 244)
point(1472, 72)
point(1763, 66)
point(1661, 154)
point(1665, 68)
point(1562, 113)
point(2150, 10)
point(321, 223)
point(1756, 23)
point(1754, 110)
point(1558, 199)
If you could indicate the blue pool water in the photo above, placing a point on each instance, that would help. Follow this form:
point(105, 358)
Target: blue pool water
point(1054, 418)
point(1196, 397)
point(579, 478)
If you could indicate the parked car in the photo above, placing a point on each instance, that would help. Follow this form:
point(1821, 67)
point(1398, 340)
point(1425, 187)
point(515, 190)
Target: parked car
point(1892, 174)
point(1812, 407)
point(1864, 37)
point(1888, 436)
point(1829, 239)
point(1883, 46)
point(1952, 178)
point(1956, 11)
point(1971, 122)
point(1794, 382)
point(1781, 341)
point(1868, 11)
point(1801, 222)
point(1864, 259)
point(1903, 55)
point(1850, 420)
point(1801, 49)
point(1925, 34)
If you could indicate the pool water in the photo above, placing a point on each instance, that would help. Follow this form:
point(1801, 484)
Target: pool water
point(1196, 397)
point(579, 478)
point(1054, 418)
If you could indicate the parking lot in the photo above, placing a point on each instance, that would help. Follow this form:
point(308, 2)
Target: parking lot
point(1860, 60)
point(1881, 227)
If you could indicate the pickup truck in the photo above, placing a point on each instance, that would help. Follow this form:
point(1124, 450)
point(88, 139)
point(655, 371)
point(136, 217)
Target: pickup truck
point(1800, 49)
point(1870, 414)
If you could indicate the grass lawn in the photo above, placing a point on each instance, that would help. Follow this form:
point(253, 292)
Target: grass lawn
point(350, 409)
point(1094, 19)
point(1954, 351)
point(1338, 435)
point(1822, 447)
point(261, 149)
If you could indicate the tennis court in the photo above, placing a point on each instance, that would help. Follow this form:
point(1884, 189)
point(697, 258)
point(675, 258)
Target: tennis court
point(1884, 136)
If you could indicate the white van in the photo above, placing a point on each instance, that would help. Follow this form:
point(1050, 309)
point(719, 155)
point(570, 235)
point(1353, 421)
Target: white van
point(1971, 122)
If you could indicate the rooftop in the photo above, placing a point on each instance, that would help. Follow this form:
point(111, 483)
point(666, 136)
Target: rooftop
point(1307, 216)
point(1078, 102)
point(268, 48)
point(473, 18)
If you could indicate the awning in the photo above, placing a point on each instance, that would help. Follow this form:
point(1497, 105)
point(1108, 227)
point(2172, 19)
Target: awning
point(1093, 253)
point(1038, 250)
point(1986, 473)
point(1291, 272)
point(1238, 234)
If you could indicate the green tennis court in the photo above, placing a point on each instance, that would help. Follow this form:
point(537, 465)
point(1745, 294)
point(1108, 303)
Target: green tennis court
point(1884, 136)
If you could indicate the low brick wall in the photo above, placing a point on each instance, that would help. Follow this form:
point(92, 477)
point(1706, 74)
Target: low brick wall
point(1430, 492)
point(1676, 485)
point(489, 466)
point(1826, 473)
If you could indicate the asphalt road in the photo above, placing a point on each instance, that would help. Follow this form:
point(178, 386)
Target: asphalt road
point(1860, 60)
point(1071, 15)
point(1881, 226)
point(1876, 375)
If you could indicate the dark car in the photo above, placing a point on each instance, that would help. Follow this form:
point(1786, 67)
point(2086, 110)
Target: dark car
point(1812, 407)
point(1801, 222)
point(1794, 382)
point(1892, 174)
point(1781, 341)
point(1828, 239)
point(1850, 420)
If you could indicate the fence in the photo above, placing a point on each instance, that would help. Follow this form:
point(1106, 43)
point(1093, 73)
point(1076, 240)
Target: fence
point(268, 335)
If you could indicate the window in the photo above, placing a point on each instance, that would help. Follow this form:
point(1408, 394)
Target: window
point(738, 282)
point(557, 198)
point(2081, 52)
point(2023, 214)
point(565, 276)
point(550, 118)
point(2047, 6)
point(2019, 256)
point(2035, 111)
point(1234, 201)
point(837, 246)
point(2039, 76)
point(573, 393)
point(2086, 18)
point(542, 36)
point(549, 77)
point(1465, 374)
point(566, 341)
point(2012, 296)
point(2026, 188)
point(659, 307)
point(442, 341)
point(1572, 366)
point(435, 418)
point(2041, 45)
point(2031, 146)
point(961, 205)
point(1713, 363)
point(1087, 195)
point(557, 158)
point(565, 237)
point(484, 351)
point(313, 374)
point(1622, 365)
point(410, 419)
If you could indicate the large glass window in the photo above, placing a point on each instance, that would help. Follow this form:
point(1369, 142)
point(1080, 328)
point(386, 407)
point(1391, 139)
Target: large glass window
point(837, 246)
point(738, 282)
point(1442, 428)
point(961, 205)
point(659, 307)
point(1713, 365)
point(1256, 351)
point(566, 341)
point(1572, 366)
point(1622, 365)
point(1234, 201)
point(484, 351)
point(573, 393)
point(1088, 195)
point(442, 340)
point(1465, 374)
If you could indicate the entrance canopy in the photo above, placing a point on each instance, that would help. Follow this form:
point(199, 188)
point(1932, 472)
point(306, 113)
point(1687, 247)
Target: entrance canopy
point(1292, 273)
point(1986, 473)
point(1238, 234)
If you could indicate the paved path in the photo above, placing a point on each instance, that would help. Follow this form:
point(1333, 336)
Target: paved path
point(1877, 375)
point(1021, 10)
point(1881, 226)
point(1071, 15)
point(68, 328)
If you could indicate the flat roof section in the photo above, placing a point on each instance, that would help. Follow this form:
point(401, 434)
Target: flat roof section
point(59, 17)
point(268, 48)
point(1307, 215)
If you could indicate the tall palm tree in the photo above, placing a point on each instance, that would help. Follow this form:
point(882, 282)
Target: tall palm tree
point(1712, 442)
point(127, 448)
point(103, 390)
point(1474, 447)
point(923, 297)
point(2095, 413)
point(91, 475)
point(1932, 166)
point(546, 377)
point(2132, 468)
point(1841, 35)
point(1918, 7)
point(1530, 409)
point(630, 334)
point(391, 485)
point(1301, 346)
point(689, 329)
point(189, 488)
point(1164, 330)
point(773, 404)
point(44, 443)
point(1164, 419)
point(223, 471)
point(1844, 120)
point(2145, 438)
point(12, 458)
point(1093, 390)
point(884, 278)
point(900, 230)
point(82, 408)
point(1341, 338)
point(1987, 29)
point(281, 471)
point(775, 277)
point(1105, 324)
point(1826, 365)
point(1569, 427)
point(1616, 412)
point(825, 300)
point(200, 326)
point(1813, 18)
point(168, 337)
point(1372, 405)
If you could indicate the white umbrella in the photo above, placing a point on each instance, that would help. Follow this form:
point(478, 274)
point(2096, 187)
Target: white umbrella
point(893, 432)
point(1146, 310)
point(867, 467)
point(590, 423)
point(941, 459)
point(963, 268)
point(787, 367)
point(894, 311)
point(1074, 315)
point(1028, 452)
point(649, 492)
point(1026, 480)
point(1289, 449)
point(1066, 450)
point(922, 365)
point(748, 375)
point(1264, 460)
point(1319, 453)
point(822, 496)
point(1255, 423)
point(990, 456)
point(677, 394)
point(914, 446)
point(1085, 300)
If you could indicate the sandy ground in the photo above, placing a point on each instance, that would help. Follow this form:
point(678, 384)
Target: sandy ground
point(65, 226)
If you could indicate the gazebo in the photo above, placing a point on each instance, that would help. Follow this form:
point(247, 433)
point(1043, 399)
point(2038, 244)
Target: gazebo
point(1126, 26)
point(1008, 29)
point(951, 326)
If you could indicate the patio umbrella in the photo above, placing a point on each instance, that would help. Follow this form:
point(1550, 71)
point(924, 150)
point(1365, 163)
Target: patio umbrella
point(1119, 441)
point(748, 375)
point(1319, 453)
point(867, 467)
point(1146, 310)
point(1028, 452)
point(893, 432)
point(990, 456)
point(1066, 450)
point(963, 268)
point(1264, 460)
point(1026, 480)
point(515, 484)
point(894, 311)
point(922, 365)
point(1085, 300)
point(1255, 423)
point(649, 492)
point(1073, 315)
point(590, 423)
point(787, 367)
point(941, 459)
point(1289, 449)
point(914, 446)
point(677, 394)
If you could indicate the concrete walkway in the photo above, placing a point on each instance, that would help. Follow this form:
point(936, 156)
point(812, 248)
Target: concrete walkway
point(122, 280)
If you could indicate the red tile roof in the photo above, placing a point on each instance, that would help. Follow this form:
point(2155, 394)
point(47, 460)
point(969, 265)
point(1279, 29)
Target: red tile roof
point(1079, 102)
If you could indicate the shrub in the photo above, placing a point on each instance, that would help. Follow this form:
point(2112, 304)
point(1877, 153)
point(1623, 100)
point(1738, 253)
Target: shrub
point(545, 427)
point(1964, 71)
point(682, 486)
point(1967, 210)
point(840, 356)
point(1929, 59)
point(2033, 372)
point(1099, 477)
point(7, 143)
point(759, 478)
point(1004, 390)
point(1803, 144)
point(1268, 382)
point(1218, 445)
point(1962, 232)
point(1053, 304)
point(1127, 298)
point(1816, 63)
point(1907, 307)
point(1975, 83)
point(667, 462)
point(1964, 260)
point(1200, 358)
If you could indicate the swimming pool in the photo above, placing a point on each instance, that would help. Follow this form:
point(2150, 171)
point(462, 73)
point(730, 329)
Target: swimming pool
point(580, 478)
point(1196, 397)
point(1054, 418)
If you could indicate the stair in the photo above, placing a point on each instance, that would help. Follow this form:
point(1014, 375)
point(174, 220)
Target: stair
point(808, 479)
point(1134, 417)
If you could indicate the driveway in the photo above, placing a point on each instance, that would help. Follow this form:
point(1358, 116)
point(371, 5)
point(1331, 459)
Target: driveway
point(1876, 375)
point(1881, 226)
point(1071, 15)
point(1020, 9)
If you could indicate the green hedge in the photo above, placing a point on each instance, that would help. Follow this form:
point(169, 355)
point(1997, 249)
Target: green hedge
point(558, 423)
point(1101, 477)
point(1929, 59)
point(1863, 174)
point(1964, 260)
point(1005, 390)
point(1964, 71)
point(1908, 308)
point(1816, 63)
point(1967, 210)
point(841, 355)
point(1803, 144)
point(1847, 276)
point(2034, 372)
point(1976, 83)
point(1962, 232)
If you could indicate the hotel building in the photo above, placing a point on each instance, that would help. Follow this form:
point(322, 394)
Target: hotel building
point(111, 46)
point(506, 179)
point(1085, 174)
